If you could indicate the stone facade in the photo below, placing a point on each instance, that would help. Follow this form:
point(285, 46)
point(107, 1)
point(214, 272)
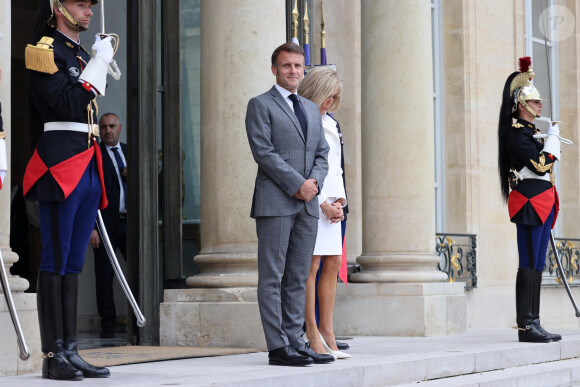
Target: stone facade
point(390, 227)
point(383, 53)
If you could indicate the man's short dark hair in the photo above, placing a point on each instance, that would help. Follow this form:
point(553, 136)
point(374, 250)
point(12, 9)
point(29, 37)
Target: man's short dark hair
point(288, 47)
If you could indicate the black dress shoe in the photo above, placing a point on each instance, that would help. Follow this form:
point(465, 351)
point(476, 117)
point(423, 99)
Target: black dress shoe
point(342, 346)
point(288, 356)
point(318, 358)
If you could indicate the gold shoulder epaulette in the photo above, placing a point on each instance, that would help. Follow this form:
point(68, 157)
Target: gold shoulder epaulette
point(517, 125)
point(41, 57)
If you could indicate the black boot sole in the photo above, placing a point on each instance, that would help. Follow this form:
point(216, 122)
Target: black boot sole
point(528, 341)
point(73, 379)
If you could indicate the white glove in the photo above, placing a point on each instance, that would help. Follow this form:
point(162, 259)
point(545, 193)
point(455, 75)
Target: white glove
point(554, 129)
point(552, 143)
point(103, 48)
point(95, 72)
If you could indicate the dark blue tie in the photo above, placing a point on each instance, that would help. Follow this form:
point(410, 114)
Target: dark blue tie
point(120, 167)
point(299, 113)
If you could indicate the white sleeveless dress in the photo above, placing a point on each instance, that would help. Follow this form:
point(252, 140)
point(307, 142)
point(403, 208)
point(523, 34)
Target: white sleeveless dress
point(329, 238)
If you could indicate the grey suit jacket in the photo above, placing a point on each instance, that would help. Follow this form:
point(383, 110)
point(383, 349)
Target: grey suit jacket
point(285, 159)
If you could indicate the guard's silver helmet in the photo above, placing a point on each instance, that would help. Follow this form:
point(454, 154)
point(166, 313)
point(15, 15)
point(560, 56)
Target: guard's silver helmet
point(522, 89)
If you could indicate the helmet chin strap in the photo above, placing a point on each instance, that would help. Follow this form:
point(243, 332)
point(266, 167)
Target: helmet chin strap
point(529, 108)
point(68, 16)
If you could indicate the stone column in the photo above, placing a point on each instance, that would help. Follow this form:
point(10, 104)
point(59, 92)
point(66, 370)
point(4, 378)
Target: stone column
point(237, 40)
point(398, 260)
point(397, 144)
point(25, 303)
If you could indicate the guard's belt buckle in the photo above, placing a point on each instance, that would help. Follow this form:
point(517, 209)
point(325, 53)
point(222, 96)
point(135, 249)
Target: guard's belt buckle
point(95, 130)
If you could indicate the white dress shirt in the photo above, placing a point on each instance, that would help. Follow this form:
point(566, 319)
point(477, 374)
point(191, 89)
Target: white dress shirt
point(285, 93)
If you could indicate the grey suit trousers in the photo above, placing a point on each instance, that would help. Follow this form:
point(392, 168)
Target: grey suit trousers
point(285, 245)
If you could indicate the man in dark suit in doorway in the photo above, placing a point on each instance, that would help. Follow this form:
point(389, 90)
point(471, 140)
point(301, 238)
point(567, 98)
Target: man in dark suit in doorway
point(114, 217)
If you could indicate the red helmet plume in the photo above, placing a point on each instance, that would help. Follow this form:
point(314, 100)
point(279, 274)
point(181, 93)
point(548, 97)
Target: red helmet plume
point(525, 64)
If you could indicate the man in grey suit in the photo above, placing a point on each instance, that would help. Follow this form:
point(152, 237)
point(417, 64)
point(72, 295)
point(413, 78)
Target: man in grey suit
point(287, 142)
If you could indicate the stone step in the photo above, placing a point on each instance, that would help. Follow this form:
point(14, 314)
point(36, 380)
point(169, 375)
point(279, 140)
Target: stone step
point(557, 373)
point(478, 357)
point(407, 360)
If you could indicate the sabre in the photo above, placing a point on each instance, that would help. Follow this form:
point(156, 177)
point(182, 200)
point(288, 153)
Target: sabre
point(120, 276)
point(103, 17)
point(24, 352)
point(116, 73)
point(552, 242)
point(113, 67)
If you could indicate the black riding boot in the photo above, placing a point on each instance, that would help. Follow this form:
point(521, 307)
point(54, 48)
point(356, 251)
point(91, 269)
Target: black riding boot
point(55, 364)
point(70, 286)
point(527, 331)
point(536, 307)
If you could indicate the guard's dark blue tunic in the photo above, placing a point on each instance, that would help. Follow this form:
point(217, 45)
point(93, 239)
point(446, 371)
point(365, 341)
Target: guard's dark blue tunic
point(64, 173)
point(533, 204)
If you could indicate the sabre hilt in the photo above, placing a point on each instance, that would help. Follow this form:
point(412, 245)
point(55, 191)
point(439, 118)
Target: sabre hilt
point(113, 67)
point(562, 139)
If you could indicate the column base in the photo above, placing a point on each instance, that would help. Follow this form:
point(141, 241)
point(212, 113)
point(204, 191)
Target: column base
point(226, 317)
point(402, 309)
point(17, 284)
point(224, 270)
point(10, 362)
point(396, 267)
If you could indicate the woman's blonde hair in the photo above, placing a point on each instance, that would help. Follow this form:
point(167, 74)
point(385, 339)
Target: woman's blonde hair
point(319, 84)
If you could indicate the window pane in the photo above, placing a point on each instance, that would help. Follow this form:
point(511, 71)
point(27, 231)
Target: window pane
point(437, 117)
point(536, 12)
point(433, 42)
point(190, 15)
point(541, 77)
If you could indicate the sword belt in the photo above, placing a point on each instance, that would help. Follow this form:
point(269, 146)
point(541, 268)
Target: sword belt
point(527, 173)
point(72, 126)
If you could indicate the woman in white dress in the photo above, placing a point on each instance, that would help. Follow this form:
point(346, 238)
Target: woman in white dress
point(323, 87)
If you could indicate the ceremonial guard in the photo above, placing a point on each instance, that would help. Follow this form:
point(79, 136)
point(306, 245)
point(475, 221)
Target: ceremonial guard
point(65, 171)
point(526, 168)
